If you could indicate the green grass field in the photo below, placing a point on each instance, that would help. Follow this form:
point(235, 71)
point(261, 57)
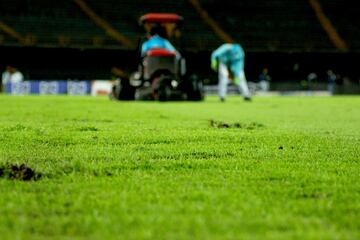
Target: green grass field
point(285, 168)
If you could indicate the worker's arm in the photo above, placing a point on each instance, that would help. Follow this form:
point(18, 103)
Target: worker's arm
point(144, 48)
point(217, 54)
point(171, 48)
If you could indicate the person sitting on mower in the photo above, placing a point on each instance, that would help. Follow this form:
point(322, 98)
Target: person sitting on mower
point(157, 40)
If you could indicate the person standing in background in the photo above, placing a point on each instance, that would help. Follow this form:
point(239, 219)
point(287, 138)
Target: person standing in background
point(331, 79)
point(12, 75)
point(264, 80)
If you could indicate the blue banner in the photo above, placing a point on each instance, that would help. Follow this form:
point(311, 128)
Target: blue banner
point(49, 87)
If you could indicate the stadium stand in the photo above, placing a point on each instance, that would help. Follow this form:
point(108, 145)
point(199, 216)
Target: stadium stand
point(125, 17)
point(52, 24)
point(345, 16)
point(262, 25)
point(62, 23)
point(270, 25)
point(278, 34)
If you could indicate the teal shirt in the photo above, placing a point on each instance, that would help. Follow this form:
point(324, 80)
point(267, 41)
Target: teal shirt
point(229, 54)
point(157, 42)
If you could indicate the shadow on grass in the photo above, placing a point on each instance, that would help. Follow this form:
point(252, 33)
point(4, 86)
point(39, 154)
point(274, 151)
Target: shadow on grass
point(247, 126)
point(19, 172)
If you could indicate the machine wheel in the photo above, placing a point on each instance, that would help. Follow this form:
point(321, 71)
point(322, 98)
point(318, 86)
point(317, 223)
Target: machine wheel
point(126, 91)
point(195, 89)
point(122, 90)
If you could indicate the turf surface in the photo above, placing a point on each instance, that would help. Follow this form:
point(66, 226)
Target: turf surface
point(277, 168)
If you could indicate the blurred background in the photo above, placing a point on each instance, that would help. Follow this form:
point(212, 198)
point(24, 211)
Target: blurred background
point(297, 41)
